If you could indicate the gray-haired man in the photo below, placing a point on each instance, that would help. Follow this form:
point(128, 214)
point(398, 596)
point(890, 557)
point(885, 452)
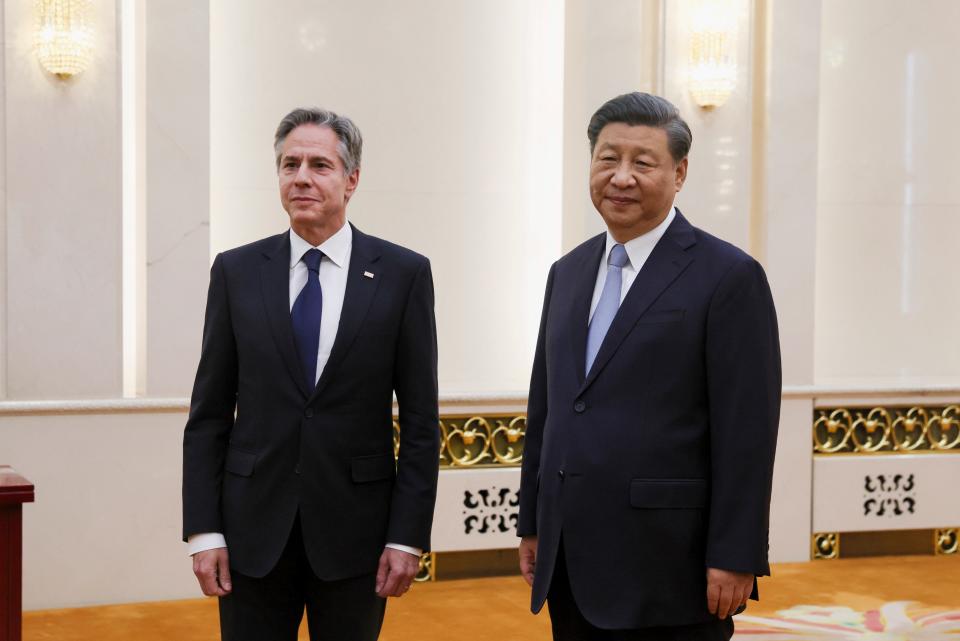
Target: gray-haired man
point(291, 495)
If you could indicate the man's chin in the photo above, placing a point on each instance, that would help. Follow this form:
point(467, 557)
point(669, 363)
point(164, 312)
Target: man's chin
point(305, 216)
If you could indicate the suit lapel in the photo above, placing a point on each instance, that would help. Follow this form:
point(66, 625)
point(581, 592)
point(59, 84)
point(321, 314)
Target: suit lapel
point(667, 261)
point(359, 294)
point(584, 284)
point(275, 290)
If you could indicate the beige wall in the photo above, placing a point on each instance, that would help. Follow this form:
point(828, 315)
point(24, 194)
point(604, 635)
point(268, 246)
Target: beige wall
point(889, 201)
point(62, 217)
point(105, 527)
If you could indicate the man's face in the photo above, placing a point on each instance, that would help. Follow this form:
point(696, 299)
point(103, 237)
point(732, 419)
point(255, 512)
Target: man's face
point(313, 188)
point(633, 178)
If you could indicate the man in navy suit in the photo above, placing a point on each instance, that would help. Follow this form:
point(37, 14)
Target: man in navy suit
point(291, 494)
point(653, 407)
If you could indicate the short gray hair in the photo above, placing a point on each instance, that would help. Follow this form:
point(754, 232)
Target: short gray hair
point(350, 142)
point(640, 108)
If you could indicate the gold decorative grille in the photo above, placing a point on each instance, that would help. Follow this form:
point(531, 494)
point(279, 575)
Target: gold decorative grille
point(477, 441)
point(886, 430)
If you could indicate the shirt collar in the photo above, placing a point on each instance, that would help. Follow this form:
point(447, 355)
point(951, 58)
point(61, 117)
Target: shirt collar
point(336, 248)
point(640, 248)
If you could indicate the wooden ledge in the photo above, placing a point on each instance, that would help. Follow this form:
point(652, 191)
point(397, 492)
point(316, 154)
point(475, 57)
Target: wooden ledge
point(14, 489)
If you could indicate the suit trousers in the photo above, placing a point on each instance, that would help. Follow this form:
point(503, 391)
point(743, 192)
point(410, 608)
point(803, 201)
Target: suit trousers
point(271, 608)
point(569, 624)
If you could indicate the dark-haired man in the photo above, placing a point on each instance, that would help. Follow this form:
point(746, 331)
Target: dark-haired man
point(653, 407)
point(291, 495)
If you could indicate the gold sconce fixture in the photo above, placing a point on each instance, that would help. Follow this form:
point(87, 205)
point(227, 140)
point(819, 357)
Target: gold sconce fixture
point(63, 40)
point(713, 54)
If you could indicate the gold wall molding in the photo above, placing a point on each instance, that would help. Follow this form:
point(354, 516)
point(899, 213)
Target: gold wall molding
point(825, 545)
point(477, 441)
point(428, 568)
point(887, 430)
point(938, 542)
point(946, 541)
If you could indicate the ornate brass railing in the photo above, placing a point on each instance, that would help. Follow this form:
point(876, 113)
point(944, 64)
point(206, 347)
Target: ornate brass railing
point(886, 430)
point(477, 441)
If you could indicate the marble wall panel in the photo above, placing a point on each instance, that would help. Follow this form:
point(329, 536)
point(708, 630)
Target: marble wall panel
point(476, 510)
point(896, 492)
point(790, 512)
point(889, 202)
point(716, 195)
point(177, 191)
point(788, 203)
point(63, 217)
point(3, 216)
point(105, 527)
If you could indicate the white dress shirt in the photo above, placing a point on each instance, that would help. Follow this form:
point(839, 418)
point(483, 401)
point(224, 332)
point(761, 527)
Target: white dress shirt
point(638, 251)
point(333, 283)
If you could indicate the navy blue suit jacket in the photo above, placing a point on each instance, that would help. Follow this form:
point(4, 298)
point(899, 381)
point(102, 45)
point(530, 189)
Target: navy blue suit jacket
point(259, 444)
point(657, 463)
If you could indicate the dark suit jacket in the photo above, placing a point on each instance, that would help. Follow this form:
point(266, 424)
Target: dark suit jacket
point(657, 463)
point(259, 445)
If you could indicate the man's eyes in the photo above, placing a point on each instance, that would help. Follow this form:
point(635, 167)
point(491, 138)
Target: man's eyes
point(292, 164)
point(638, 162)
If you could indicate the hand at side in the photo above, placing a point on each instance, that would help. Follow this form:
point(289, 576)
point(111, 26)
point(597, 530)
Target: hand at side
point(212, 569)
point(528, 558)
point(727, 591)
point(396, 572)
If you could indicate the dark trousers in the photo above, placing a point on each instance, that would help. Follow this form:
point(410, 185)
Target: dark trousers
point(271, 608)
point(569, 624)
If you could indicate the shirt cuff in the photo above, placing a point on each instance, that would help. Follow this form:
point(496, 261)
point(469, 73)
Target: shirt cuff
point(405, 548)
point(206, 541)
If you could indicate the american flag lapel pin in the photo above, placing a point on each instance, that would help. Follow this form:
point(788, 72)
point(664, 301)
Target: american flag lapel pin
point(368, 274)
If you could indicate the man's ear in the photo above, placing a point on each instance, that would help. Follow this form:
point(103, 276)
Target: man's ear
point(353, 179)
point(681, 174)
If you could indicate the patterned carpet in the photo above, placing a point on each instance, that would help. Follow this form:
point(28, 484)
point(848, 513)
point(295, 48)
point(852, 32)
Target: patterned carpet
point(896, 620)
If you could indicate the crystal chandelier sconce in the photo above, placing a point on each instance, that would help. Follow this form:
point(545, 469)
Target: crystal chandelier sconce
point(63, 40)
point(713, 62)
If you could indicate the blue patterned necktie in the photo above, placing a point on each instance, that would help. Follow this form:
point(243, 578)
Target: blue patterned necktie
point(609, 302)
point(305, 317)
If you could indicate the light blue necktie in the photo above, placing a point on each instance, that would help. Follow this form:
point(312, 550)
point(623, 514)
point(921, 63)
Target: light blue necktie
point(609, 302)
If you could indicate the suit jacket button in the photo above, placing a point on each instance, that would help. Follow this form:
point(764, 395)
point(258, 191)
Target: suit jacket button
point(309, 412)
point(579, 407)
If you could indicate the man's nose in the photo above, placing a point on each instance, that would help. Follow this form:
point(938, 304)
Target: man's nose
point(622, 177)
point(302, 177)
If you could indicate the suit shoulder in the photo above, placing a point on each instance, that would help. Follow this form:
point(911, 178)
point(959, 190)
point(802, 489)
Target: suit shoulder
point(399, 254)
point(256, 248)
point(583, 251)
point(723, 254)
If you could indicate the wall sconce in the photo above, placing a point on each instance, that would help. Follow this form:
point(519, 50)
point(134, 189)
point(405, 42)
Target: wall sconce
point(63, 40)
point(713, 59)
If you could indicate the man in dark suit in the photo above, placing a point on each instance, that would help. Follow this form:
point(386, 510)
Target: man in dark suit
point(288, 457)
point(653, 407)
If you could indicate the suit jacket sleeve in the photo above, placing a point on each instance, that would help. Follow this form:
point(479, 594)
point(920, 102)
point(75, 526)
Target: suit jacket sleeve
point(212, 408)
point(744, 386)
point(415, 383)
point(536, 420)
